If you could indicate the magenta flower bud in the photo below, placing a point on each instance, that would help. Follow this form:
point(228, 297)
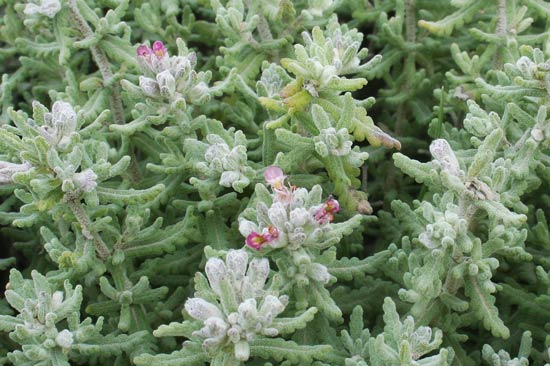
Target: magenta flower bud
point(332, 205)
point(272, 233)
point(143, 50)
point(159, 50)
point(255, 240)
point(326, 213)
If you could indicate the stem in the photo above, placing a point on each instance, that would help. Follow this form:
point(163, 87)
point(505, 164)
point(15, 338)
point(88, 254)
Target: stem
point(364, 177)
point(410, 21)
point(502, 21)
point(501, 30)
point(410, 61)
point(293, 26)
point(263, 26)
point(101, 61)
point(452, 283)
point(267, 148)
point(84, 221)
point(467, 210)
point(427, 315)
point(263, 29)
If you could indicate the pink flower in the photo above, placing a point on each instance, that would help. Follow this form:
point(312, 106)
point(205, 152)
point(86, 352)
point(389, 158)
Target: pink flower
point(332, 205)
point(255, 240)
point(274, 177)
point(143, 50)
point(326, 213)
point(158, 50)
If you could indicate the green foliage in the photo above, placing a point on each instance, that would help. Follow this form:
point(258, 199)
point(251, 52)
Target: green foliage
point(236, 314)
point(40, 330)
point(210, 182)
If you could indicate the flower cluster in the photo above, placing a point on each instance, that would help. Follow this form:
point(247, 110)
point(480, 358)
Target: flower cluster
point(158, 51)
point(332, 142)
point(242, 310)
point(291, 223)
point(444, 228)
point(47, 8)
point(227, 164)
point(60, 125)
point(48, 325)
point(153, 58)
point(172, 77)
point(7, 170)
point(294, 227)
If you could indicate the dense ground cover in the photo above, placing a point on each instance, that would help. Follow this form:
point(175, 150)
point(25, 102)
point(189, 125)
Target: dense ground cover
point(247, 182)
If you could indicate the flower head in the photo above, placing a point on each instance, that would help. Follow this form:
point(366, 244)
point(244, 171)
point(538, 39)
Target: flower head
point(143, 50)
point(152, 58)
point(48, 8)
point(238, 281)
point(274, 177)
point(332, 205)
point(7, 170)
point(256, 241)
point(326, 213)
point(159, 50)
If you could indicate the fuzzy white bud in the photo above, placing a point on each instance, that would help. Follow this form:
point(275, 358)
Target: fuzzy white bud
point(7, 170)
point(86, 180)
point(216, 272)
point(57, 300)
point(64, 339)
point(201, 309)
point(48, 8)
point(442, 152)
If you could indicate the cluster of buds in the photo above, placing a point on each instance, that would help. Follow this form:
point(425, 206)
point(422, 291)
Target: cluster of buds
point(224, 163)
point(445, 229)
point(60, 124)
point(41, 311)
point(85, 180)
point(47, 8)
point(533, 65)
point(151, 57)
point(527, 67)
point(326, 57)
point(7, 170)
point(332, 142)
point(291, 222)
point(239, 282)
point(172, 77)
